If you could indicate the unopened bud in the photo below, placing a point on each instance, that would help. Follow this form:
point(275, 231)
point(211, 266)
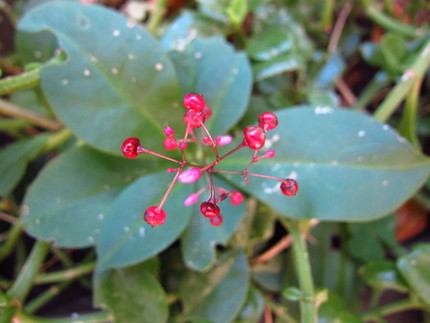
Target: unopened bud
point(224, 140)
point(190, 175)
point(169, 131)
point(193, 198)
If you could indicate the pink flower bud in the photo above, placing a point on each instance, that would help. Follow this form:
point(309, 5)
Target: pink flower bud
point(207, 140)
point(270, 154)
point(193, 198)
point(190, 175)
point(224, 140)
point(236, 198)
point(169, 131)
point(182, 146)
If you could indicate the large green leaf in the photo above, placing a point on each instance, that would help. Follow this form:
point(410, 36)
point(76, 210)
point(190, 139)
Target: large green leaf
point(125, 237)
point(132, 294)
point(253, 308)
point(222, 75)
point(349, 167)
point(415, 269)
point(217, 295)
point(200, 238)
point(14, 159)
point(68, 200)
point(116, 81)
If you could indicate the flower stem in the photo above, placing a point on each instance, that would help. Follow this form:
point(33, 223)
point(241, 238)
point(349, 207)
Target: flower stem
point(65, 275)
point(416, 71)
point(24, 80)
point(399, 306)
point(12, 239)
point(308, 307)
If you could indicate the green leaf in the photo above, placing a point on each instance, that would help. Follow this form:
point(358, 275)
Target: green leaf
point(382, 274)
point(237, 11)
point(132, 294)
point(336, 310)
point(68, 200)
point(415, 269)
point(199, 240)
point(292, 293)
point(270, 43)
point(378, 233)
point(222, 75)
point(219, 294)
point(394, 51)
point(125, 237)
point(340, 159)
point(116, 81)
point(253, 308)
point(269, 274)
point(14, 159)
point(214, 9)
point(281, 64)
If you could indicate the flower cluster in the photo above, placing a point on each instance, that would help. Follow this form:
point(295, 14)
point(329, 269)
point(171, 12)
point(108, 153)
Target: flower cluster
point(197, 112)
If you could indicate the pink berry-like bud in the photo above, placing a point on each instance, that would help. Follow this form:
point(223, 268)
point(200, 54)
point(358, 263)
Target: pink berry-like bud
point(216, 221)
point(254, 137)
point(190, 175)
point(194, 102)
point(169, 131)
point(236, 198)
point(209, 210)
point(270, 154)
point(267, 121)
point(182, 146)
point(170, 143)
point(224, 140)
point(207, 111)
point(193, 198)
point(289, 187)
point(129, 147)
point(154, 216)
point(195, 119)
point(207, 140)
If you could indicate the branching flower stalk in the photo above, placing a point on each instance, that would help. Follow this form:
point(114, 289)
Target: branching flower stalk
point(197, 112)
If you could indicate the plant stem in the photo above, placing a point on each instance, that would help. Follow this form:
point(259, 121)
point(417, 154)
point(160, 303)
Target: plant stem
point(308, 307)
point(379, 81)
point(23, 282)
point(98, 317)
point(46, 296)
point(65, 275)
point(24, 80)
point(13, 110)
point(57, 139)
point(12, 239)
point(404, 85)
point(399, 306)
point(327, 15)
point(157, 15)
point(391, 24)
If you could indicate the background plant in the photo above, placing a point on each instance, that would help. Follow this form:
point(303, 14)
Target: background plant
point(84, 86)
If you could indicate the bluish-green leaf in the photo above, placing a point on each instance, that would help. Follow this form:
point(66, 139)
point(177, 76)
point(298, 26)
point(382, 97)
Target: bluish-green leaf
point(415, 270)
point(68, 200)
point(125, 237)
point(211, 67)
point(253, 308)
point(116, 82)
point(382, 274)
point(349, 167)
point(200, 238)
point(14, 159)
point(219, 294)
point(132, 294)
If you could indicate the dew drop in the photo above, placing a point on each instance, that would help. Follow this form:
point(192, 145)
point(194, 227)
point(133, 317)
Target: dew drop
point(384, 182)
point(361, 133)
point(114, 71)
point(142, 231)
point(159, 67)
point(97, 231)
point(323, 110)
point(293, 175)
point(100, 216)
point(126, 229)
point(138, 37)
point(25, 210)
point(93, 59)
point(74, 316)
point(64, 81)
point(334, 162)
point(131, 56)
point(198, 55)
point(91, 239)
point(116, 33)
point(37, 221)
point(87, 72)
point(131, 23)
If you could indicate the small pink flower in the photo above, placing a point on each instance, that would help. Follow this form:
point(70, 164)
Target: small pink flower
point(224, 140)
point(190, 175)
point(169, 131)
point(236, 198)
point(193, 198)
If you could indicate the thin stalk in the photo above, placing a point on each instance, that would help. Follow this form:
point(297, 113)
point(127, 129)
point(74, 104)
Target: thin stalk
point(21, 81)
point(11, 241)
point(98, 317)
point(379, 81)
point(24, 281)
point(407, 126)
point(327, 15)
point(417, 70)
point(391, 308)
point(392, 24)
point(158, 12)
point(57, 139)
point(308, 306)
point(13, 110)
point(46, 296)
point(65, 275)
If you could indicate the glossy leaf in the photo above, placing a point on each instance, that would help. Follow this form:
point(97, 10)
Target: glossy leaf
point(222, 75)
point(106, 95)
point(68, 200)
point(383, 274)
point(415, 270)
point(125, 237)
point(269, 274)
point(219, 294)
point(336, 310)
point(132, 294)
point(14, 159)
point(340, 159)
point(281, 64)
point(200, 239)
point(269, 43)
